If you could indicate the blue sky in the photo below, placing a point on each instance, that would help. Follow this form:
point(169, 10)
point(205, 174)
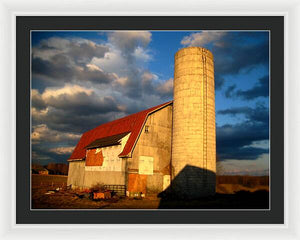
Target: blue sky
point(97, 76)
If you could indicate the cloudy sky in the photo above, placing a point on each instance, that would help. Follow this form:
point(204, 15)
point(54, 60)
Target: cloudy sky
point(83, 79)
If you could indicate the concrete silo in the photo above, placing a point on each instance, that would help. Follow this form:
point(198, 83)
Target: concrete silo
point(194, 131)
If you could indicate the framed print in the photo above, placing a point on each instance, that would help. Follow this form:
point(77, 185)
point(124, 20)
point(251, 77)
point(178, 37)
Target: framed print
point(157, 119)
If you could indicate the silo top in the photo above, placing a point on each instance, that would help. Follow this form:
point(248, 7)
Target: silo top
point(193, 51)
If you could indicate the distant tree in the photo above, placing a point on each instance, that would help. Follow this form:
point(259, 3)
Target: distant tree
point(65, 169)
point(52, 168)
point(58, 168)
point(36, 166)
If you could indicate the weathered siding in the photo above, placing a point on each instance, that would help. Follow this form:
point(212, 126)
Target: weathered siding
point(155, 143)
point(111, 161)
point(103, 177)
point(76, 173)
point(112, 170)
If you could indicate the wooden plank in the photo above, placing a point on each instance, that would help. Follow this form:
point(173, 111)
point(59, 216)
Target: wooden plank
point(137, 183)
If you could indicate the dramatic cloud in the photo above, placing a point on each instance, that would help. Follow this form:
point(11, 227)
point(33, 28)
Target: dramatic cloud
point(235, 141)
point(60, 61)
point(258, 167)
point(127, 58)
point(232, 60)
point(41, 133)
point(229, 93)
point(37, 100)
point(166, 88)
point(261, 89)
point(91, 84)
point(258, 114)
point(60, 68)
point(62, 150)
point(43, 155)
point(78, 49)
point(113, 61)
point(233, 53)
point(70, 106)
point(130, 41)
point(63, 121)
point(77, 100)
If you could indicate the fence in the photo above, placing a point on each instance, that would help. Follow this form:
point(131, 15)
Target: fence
point(119, 189)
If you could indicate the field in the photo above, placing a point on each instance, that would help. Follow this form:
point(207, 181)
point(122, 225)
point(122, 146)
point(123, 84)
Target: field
point(233, 192)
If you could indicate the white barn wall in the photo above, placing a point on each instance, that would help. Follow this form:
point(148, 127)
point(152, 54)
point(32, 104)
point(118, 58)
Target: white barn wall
point(111, 172)
point(76, 174)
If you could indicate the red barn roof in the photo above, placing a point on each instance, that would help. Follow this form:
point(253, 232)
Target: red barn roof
point(132, 123)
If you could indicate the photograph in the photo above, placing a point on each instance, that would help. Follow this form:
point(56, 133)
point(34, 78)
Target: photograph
point(150, 119)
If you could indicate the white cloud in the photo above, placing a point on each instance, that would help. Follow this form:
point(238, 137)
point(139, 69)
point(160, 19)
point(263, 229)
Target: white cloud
point(41, 133)
point(128, 51)
point(203, 38)
point(129, 40)
point(122, 81)
point(40, 157)
point(57, 43)
point(141, 54)
point(39, 113)
point(67, 90)
point(260, 144)
point(246, 167)
point(112, 61)
point(62, 150)
point(76, 48)
point(73, 98)
point(148, 77)
point(93, 67)
point(166, 87)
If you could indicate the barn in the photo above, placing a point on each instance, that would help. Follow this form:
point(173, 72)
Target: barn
point(134, 151)
point(170, 146)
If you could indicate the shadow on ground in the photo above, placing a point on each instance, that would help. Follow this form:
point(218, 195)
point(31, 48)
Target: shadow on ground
point(239, 200)
point(194, 188)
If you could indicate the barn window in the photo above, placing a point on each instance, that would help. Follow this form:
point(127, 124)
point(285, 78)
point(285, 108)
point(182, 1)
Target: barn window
point(146, 129)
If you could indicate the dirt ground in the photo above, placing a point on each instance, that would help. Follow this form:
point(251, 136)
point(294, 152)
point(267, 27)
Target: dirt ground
point(228, 196)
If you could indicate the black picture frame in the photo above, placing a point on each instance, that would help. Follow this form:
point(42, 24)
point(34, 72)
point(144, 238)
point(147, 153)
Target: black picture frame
point(24, 215)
